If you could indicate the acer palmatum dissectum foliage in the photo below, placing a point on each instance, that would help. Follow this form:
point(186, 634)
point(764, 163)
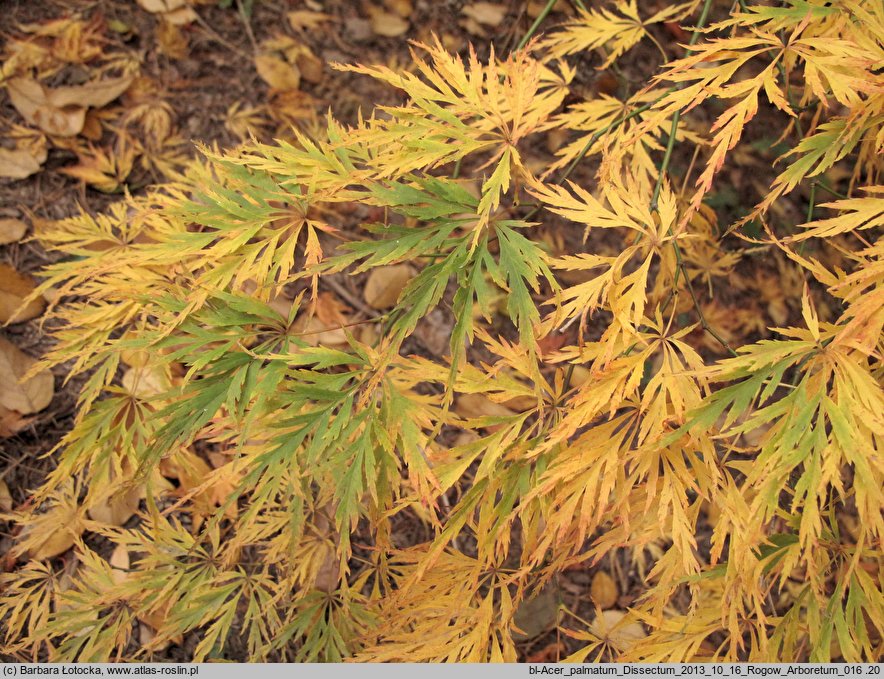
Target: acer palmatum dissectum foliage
point(619, 443)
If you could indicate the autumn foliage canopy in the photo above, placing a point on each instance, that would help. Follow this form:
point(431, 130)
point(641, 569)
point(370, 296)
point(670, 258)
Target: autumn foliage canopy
point(638, 371)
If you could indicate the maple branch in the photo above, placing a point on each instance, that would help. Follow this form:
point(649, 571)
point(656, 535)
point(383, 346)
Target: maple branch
point(539, 20)
point(811, 201)
point(676, 117)
point(218, 38)
point(703, 322)
point(825, 187)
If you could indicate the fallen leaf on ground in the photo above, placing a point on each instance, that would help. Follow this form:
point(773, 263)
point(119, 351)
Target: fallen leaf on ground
point(94, 94)
point(51, 533)
point(104, 169)
point(488, 13)
point(20, 163)
point(32, 101)
point(144, 382)
point(385, 283)
point(549, 653)
point(537, 615)
point(476, 405)
point(305, 19)
point(14, 288)
point(30, 396)
point(11, 230)
point(388, 24)
point(117, 509)
point(119, 563)
point(180, 16)
point(171, 40)
point(316, 333)
point(403, 8)
point(5, 497)
point(609, 626)
point(603, 591)
point(161, 6)
point(12, 422)
point(61, 111)
point(434, 332)
point(277, 73)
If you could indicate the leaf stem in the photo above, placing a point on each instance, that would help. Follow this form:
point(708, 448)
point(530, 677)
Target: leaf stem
point(676, 117)
point(812, 201)
point(539, 20)
point(828, 189)
point(690, 286)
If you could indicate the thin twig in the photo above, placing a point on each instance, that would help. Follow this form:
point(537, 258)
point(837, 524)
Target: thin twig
point(703, 322)
point(539, 20)
point(246, 20)
point(676, 117)
point(215, 36)
point(348, 297)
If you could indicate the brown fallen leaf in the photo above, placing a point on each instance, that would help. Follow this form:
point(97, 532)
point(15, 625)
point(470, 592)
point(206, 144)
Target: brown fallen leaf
point(12, 422)
point(434, 332)
point(20, 163)
point(277, 73)
point(161, 6)
point(328, 574)
point(93, 94)
point(403, 8)
point(30, 396)
point(61, 111)
point(580, 376)
point(488, 13)
point(117, 509)
point(473, 27)
point(311, 67)
point(31, 100)
point(14, 288)
point(5, 497)
point(51, 533)
point(603, 591)
point(171, 40)
point(385, 283)
point(549, 653)
point(119, 563)
point(476, 405)
point(11, 230)
point(388, 24)
point(621, 635)
point(306, 19)
point(152, 621)
point(314, 332)
point(536, 615)
point(180, 17)
point(145, 382)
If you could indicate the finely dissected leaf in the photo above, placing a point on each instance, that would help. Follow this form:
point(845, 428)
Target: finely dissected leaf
point(54, 531)
point(617, 30)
